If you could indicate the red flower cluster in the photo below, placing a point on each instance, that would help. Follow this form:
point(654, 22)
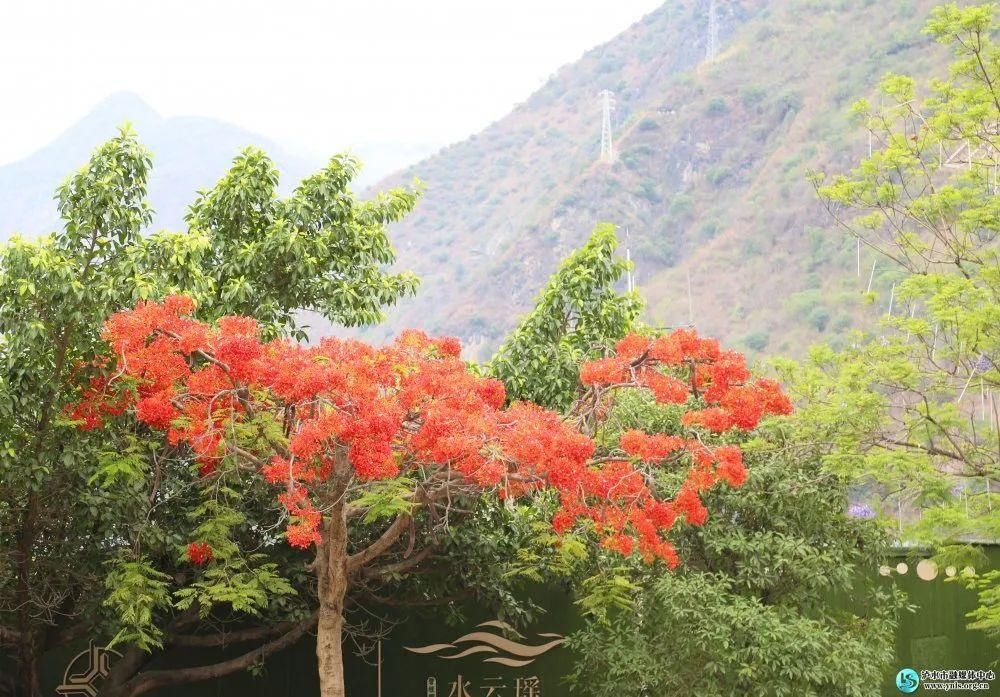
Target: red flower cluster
point(414, 405)
point(650, 447)
point(95, 404)
point(742, 406)
point(680, 366)
point(200, 553)
point(304, 530)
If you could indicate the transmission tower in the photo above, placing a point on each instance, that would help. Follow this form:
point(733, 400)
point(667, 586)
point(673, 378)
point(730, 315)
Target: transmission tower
point(607, 146)
point(712, 45)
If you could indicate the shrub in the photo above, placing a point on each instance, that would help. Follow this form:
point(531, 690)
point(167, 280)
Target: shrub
point(681, 206)
point(717, 107)
point(658, 251)
point(790, 101)
point(757, 341)
point(648, 124)
point(819, 317)
point(750, 247)
point(648, 190)
point(842, 323)
point(708, 230)
point(752, 95)
point(717, 175)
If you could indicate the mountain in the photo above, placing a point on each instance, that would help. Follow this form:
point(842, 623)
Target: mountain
point(708, 186)
point(189, 153)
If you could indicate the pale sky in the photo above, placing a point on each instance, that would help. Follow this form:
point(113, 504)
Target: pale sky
point(311, 75)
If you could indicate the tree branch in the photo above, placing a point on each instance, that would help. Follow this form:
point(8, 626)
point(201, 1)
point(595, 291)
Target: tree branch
point(379, 546)
point(237, 636)
point(400, 566)
point(929, 449)
point(422, 602)
point(154, 679)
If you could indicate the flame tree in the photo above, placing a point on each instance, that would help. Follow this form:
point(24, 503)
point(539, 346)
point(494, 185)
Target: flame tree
point(245, 249)
point(403, 433)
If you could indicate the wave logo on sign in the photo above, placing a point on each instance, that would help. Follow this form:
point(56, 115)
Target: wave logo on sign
point(508, 652)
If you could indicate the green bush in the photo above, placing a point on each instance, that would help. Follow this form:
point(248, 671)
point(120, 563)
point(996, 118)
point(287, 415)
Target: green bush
point(648, 190)
point(842, 323)
point(790, 101)
point(681, 206)
point(717, 107)
point(717, 175)
point(708, 230)
point(657, 251)
point(750, 247)
point(757, 341)
point(819, 317)
point(642, 150)
point(610, 64)
point(648, 124)
point(752, 95)
point(802, 304)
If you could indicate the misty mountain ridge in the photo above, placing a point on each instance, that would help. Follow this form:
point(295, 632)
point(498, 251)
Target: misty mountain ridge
point(189, 153)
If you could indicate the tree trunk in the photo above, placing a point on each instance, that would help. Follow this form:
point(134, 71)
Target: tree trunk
point(28, 673)
point(332, 575)
point(27, 653)
point(329, 647)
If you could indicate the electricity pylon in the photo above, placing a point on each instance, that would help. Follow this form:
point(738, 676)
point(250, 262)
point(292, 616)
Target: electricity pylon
point(607, 145)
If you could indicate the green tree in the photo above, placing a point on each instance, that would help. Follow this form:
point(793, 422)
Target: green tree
point(72, 502)
point(776, 594)
point(578, 315)
point(910, 407)
point(749, 610)
point(320, 249)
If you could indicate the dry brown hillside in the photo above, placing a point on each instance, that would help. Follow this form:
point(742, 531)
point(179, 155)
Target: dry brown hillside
point(709, 178)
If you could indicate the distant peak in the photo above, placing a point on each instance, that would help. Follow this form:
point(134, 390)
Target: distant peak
point(124, 106)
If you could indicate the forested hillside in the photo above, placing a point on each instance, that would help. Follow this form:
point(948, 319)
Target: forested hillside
point(709, 182)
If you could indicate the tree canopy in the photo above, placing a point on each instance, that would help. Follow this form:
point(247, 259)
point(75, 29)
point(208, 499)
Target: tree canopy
point(55, 292)
point(578, 315)
point(775, 595)
point(909, 409)
point(403, 431)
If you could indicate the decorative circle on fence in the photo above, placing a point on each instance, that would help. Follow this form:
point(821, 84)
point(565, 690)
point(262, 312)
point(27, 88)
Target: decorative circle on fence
point(927, 570)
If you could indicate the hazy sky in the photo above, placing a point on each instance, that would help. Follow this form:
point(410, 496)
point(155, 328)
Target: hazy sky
point(311, 75)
